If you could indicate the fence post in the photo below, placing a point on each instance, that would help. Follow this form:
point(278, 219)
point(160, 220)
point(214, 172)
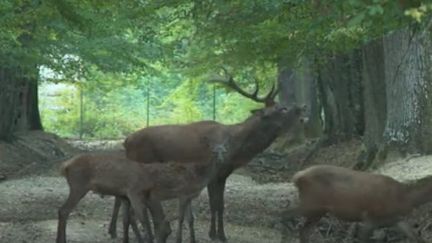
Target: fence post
point(81, 131)
point(148, 103)
point(214, 102)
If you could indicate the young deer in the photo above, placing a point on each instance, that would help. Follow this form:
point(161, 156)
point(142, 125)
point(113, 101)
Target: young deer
point(142, 184)
point(185, 181)
point(373, 199)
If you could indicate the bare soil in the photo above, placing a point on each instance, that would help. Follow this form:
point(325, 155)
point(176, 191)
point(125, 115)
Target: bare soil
point(32, 190)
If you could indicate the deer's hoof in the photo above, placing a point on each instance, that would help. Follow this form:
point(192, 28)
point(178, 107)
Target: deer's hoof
point(113, 234)
point(212, 235)
point(222, 237)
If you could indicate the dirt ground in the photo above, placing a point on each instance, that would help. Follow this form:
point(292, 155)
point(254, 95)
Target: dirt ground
point(31, 190)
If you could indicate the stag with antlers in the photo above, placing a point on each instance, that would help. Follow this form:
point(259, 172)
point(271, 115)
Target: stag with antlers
point(181, 143)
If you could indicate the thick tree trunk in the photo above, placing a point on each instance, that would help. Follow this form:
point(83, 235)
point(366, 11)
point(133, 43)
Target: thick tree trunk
point(18, 101)
point(374, 98)
point(339, 84)
point(306, 93)
point(408, 65)
point(297, 86)
point(287, 85)
point(8, 103)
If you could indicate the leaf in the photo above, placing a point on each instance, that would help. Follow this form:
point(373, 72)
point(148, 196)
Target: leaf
point(376, 10)
point(357, 20)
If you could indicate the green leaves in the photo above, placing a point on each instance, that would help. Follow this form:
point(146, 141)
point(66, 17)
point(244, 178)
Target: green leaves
point(419, 13)
point(109, 45)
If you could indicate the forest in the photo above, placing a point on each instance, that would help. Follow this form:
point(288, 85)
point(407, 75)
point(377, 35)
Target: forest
point(352, 80)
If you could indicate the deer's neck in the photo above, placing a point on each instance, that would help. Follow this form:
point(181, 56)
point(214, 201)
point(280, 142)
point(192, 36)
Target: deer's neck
point(254, 136)
point(420, 191)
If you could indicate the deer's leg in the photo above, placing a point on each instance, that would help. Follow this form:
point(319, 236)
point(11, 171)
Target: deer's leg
point(135, 228)
point(112, 230)
point(126, 220)
point(307, 227)
point(75, 195)
point(161, 225)
point(183, 204)
point(190, 218)
point(139, 206)
point(147, 227)
point(220, 206)
point(216, 190)
point(409, 232)
point(129, 219)
point(211, 190)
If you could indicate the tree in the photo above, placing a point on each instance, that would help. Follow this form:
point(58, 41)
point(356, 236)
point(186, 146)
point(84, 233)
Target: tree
point(340, 95)
point(65, 37)
point(408, 67)
point(374, 100)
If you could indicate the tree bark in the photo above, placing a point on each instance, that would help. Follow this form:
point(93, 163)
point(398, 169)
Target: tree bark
point(307, 94)
point(374, 98)
point(287, 85)
point(298, 86)
point(18, 101)
point(8, 102)
point(408, 128)
point(339, 84)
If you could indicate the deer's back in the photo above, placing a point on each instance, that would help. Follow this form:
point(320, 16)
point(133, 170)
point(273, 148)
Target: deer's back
point(351, 195)
point(105, 173)
point(182, 143)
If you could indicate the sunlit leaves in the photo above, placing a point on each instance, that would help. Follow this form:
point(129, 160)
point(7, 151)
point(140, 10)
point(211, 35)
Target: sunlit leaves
point(419, 13)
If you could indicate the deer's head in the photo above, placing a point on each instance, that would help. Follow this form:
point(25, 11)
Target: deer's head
point(273, 113)
point(280, 116)
point(220, 145)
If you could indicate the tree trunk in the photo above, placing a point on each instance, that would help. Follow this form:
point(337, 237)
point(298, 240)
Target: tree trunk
point(374, 98)
point(408, 127)
point(340, 93)
point(287, 85)
point(297, 86)
point(18, 101)
point(306, 93)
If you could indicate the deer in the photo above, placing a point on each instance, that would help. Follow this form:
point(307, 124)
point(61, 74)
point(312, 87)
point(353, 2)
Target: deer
point(141, 185)
point(357, 196)
point(181, 143)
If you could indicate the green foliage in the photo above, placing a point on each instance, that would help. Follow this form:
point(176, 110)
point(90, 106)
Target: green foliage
point(107, 34)
point(419, 13)
point(111, 111)
point(59, 109)
point(104, 116)
point(118, 50)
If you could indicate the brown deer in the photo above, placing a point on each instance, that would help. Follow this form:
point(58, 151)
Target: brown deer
point(373, 199)
point(181, 143)
point(142, 184)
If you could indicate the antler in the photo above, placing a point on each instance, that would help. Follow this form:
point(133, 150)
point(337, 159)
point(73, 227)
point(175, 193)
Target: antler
point(229, 82)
